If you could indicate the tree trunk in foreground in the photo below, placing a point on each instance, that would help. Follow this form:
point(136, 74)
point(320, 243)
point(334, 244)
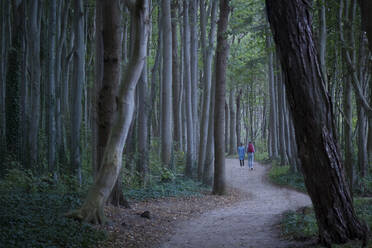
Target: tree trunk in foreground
point(313, 121)
point(219, 184)
point(92, 209)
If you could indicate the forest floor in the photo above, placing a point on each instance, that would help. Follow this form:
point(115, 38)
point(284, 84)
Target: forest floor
point(247, 217)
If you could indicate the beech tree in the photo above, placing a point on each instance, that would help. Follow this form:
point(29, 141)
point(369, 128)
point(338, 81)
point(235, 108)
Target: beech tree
point(219, 183)
point(92, 209)
point(314, 123)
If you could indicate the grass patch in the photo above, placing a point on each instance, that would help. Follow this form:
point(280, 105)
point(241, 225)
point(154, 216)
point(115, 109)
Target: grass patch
point(282, 175)
point(36, 220)
point(179, 187)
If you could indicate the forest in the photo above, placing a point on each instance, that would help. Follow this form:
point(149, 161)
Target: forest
point(120, 122)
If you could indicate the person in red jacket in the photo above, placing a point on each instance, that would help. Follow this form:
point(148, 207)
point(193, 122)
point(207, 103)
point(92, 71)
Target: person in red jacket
point(250, 151)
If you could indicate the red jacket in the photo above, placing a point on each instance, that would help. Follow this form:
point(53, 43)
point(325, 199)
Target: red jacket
point(250, 148)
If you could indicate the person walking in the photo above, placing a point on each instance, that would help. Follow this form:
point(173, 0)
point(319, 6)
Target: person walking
point(241, 153)
point(250, 151)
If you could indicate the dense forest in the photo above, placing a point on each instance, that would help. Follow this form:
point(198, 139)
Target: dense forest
point(107, 98)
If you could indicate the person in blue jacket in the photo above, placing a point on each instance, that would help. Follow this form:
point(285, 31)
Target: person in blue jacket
point(241, 152)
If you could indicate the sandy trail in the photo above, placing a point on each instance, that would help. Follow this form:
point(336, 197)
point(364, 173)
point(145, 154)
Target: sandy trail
point(249, 223)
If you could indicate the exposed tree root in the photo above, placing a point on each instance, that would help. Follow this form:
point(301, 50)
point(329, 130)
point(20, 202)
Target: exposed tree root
point(94, 216)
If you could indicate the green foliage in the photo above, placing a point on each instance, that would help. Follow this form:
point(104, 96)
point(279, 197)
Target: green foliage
point(301, 225)
point(283, 176)
point(180, 186)
point(364, 187)
point(36, 220)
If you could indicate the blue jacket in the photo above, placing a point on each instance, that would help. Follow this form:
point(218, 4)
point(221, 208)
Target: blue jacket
point(241, 152)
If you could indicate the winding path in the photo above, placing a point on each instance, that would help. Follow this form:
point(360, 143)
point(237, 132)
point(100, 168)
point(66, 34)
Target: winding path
point(249, 223)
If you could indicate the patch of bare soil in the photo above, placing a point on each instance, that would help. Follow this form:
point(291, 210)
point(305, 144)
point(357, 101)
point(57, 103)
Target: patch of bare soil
point(131, 230)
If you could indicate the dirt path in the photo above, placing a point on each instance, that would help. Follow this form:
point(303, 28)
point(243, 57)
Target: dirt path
point(249, 223)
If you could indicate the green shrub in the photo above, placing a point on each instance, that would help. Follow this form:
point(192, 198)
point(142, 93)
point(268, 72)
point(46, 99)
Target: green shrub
point(282, 175)
point(180, 186)
point(36, 220)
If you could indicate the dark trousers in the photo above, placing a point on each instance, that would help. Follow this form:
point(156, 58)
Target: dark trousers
point(241, 162)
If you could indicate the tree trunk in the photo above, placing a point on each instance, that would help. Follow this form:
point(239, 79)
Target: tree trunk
point(35, 77)
point(238, 118)
point(142, 130)
point(207, 68)
point(272, 125)
point(281, 113)
point(77, 88)
point(314, 124)
point(227, 124)
point(92, 209)
point(193, 9)
point(188, 83)
point(232, 134)
point(166, 113)
point(209, 160)
point(175, 78)
point(323, 40)
point(219, 183)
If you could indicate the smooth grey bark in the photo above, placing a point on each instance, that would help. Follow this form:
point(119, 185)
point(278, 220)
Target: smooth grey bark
point(142, 129)
point(232, 127)
point(281, 113)
point(193, 10)
point(77, 88)
point(207, 48)
point(190, 155)
point(238, 118)
point(35, 80)
point(166, 113)
point(209, 160)
point(51, 104)
point(314, 123)
point(98, 78)
point(219, 182)
point(272, 119)
point(176, 106)
point(92, 209)
point(227, 129)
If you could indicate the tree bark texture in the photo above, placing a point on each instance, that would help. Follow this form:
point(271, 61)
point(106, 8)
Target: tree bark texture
point(190, 155)
point(232, 127)
point(92, 209)
point(77, 88)
point(219, 183)
point(166, 113)
point(313, 121)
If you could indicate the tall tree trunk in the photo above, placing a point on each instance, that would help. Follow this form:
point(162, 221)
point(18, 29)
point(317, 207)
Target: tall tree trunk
point(219, 183)
point(166, 113)
point(142, 130)
point(272, 119)
point(281, 113)
point(314, 124)
point(209, 160)
point(35, 77)
point(232, 134)
point(188, 84)
point(92, 209)
point(227, 125)
point(207, 48)
point(13, 80)
point(238, 118)
point(78, 82)
point(175, 78)
point(193, 9)
point(51, 103)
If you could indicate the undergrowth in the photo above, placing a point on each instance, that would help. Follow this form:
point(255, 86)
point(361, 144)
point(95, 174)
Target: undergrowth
point(301, 224)
point(32, 213)
point(282, 175)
